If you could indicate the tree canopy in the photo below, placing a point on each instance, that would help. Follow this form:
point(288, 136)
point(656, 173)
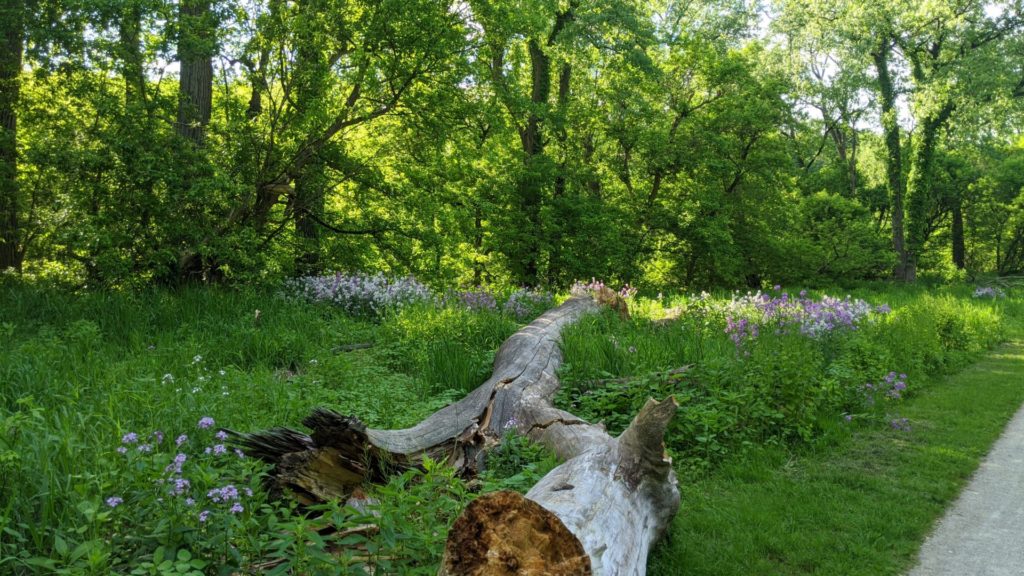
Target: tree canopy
point(659, 142)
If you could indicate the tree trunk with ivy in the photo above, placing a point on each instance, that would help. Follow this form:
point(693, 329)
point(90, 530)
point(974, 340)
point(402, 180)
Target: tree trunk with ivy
point(597, 513)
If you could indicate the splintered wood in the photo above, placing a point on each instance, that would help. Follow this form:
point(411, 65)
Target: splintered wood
point(597, 513)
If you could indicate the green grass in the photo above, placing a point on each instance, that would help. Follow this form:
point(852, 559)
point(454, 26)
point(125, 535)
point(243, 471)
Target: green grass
point(861, 504)
point(79, 371)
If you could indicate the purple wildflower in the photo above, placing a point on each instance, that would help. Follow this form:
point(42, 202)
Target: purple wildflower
point(221, 435)
point(114, 501)
point(219, 449)
point(145, 447)
point(236, 508)
point(180, 440)
point(130, 438)
point(181, 485)
point(204, 515)
point(205, 422)
point(122, 450)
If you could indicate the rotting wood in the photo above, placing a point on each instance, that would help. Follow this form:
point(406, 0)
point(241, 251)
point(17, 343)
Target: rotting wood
point(613, 496)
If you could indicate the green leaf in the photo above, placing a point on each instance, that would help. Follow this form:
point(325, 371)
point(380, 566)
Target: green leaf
point(60, 545)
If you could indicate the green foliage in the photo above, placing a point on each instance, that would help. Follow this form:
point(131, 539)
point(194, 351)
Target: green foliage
point(780, 386)
point(516, 464)
point(630, 141)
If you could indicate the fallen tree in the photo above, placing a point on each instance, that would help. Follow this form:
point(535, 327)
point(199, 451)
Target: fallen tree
point(597, 513)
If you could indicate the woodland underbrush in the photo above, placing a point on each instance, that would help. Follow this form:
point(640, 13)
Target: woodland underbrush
point(111, 404)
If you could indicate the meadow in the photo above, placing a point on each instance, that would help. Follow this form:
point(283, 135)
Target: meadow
point(111, 405)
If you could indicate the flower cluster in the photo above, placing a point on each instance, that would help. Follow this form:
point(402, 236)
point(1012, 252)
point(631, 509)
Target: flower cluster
point(581, 288)
point(367, 295)
point(892, 387)
point(475, 300)
point(989, 292)
point(810, 317)
point(528, 302)
point(901, 424)
point(176, 480)
point(740, 330)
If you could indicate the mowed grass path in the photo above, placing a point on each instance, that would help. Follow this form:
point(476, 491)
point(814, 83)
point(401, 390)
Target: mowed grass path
point(862, 504)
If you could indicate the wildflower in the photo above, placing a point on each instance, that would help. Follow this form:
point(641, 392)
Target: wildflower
point(130, 438)
point(632, 349)
point(158, 435)
point(181, 485)
point(175, 466)
point(248, 492)
point(205, 422)
point(219, 449)
point(189, 502)
point(168, 378)
point(122, 450)
point(221, 435)
point(204, 515)
point(180, 440)
point(314, 362)
point(239, 453)
point(221, 372)
point(145, 448)
point(848, 417)
point(114, 501)
point(197, 359)
point(901, 424)
point(196, 390)
point(237, 508)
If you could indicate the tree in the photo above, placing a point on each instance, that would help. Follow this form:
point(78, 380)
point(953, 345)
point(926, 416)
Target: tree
point(12, 32)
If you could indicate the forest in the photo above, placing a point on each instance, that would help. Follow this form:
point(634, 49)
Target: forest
point(532, 142)
point(510, 287)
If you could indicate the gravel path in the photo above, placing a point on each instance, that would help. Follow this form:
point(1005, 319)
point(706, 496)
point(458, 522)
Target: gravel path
point(983, 534)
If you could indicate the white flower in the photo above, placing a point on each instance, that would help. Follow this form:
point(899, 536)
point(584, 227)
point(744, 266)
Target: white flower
point(197, 359)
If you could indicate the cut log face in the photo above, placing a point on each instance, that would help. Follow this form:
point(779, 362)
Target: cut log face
point(611, 499)
point(503, 533)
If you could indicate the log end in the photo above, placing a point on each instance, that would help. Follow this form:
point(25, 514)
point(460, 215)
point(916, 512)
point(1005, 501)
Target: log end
point(505, 534)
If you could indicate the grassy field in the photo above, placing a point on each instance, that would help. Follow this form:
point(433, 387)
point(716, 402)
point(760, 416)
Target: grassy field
point(860, 505)
point(98, 389)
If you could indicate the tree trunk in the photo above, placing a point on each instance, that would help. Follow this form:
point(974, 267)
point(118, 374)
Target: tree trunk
point(12, 23)
point(959, 249)
point(309, 209)
point(919, 184)
point(309, 80)
point(196, 47)
point(613, 496)
point(894, 156)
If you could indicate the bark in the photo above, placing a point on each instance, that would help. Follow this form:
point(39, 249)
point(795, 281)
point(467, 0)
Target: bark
point(309, 210)
point(612, 501)
point(11, 47)
point(613, 496)
point(959, 249)
point(920, 200)
point(311, 69)
point(196, 46)
point(894, 155)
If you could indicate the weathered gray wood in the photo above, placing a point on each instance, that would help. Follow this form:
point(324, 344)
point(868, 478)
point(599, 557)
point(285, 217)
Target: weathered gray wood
point(612, 498)
point(341, 452)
